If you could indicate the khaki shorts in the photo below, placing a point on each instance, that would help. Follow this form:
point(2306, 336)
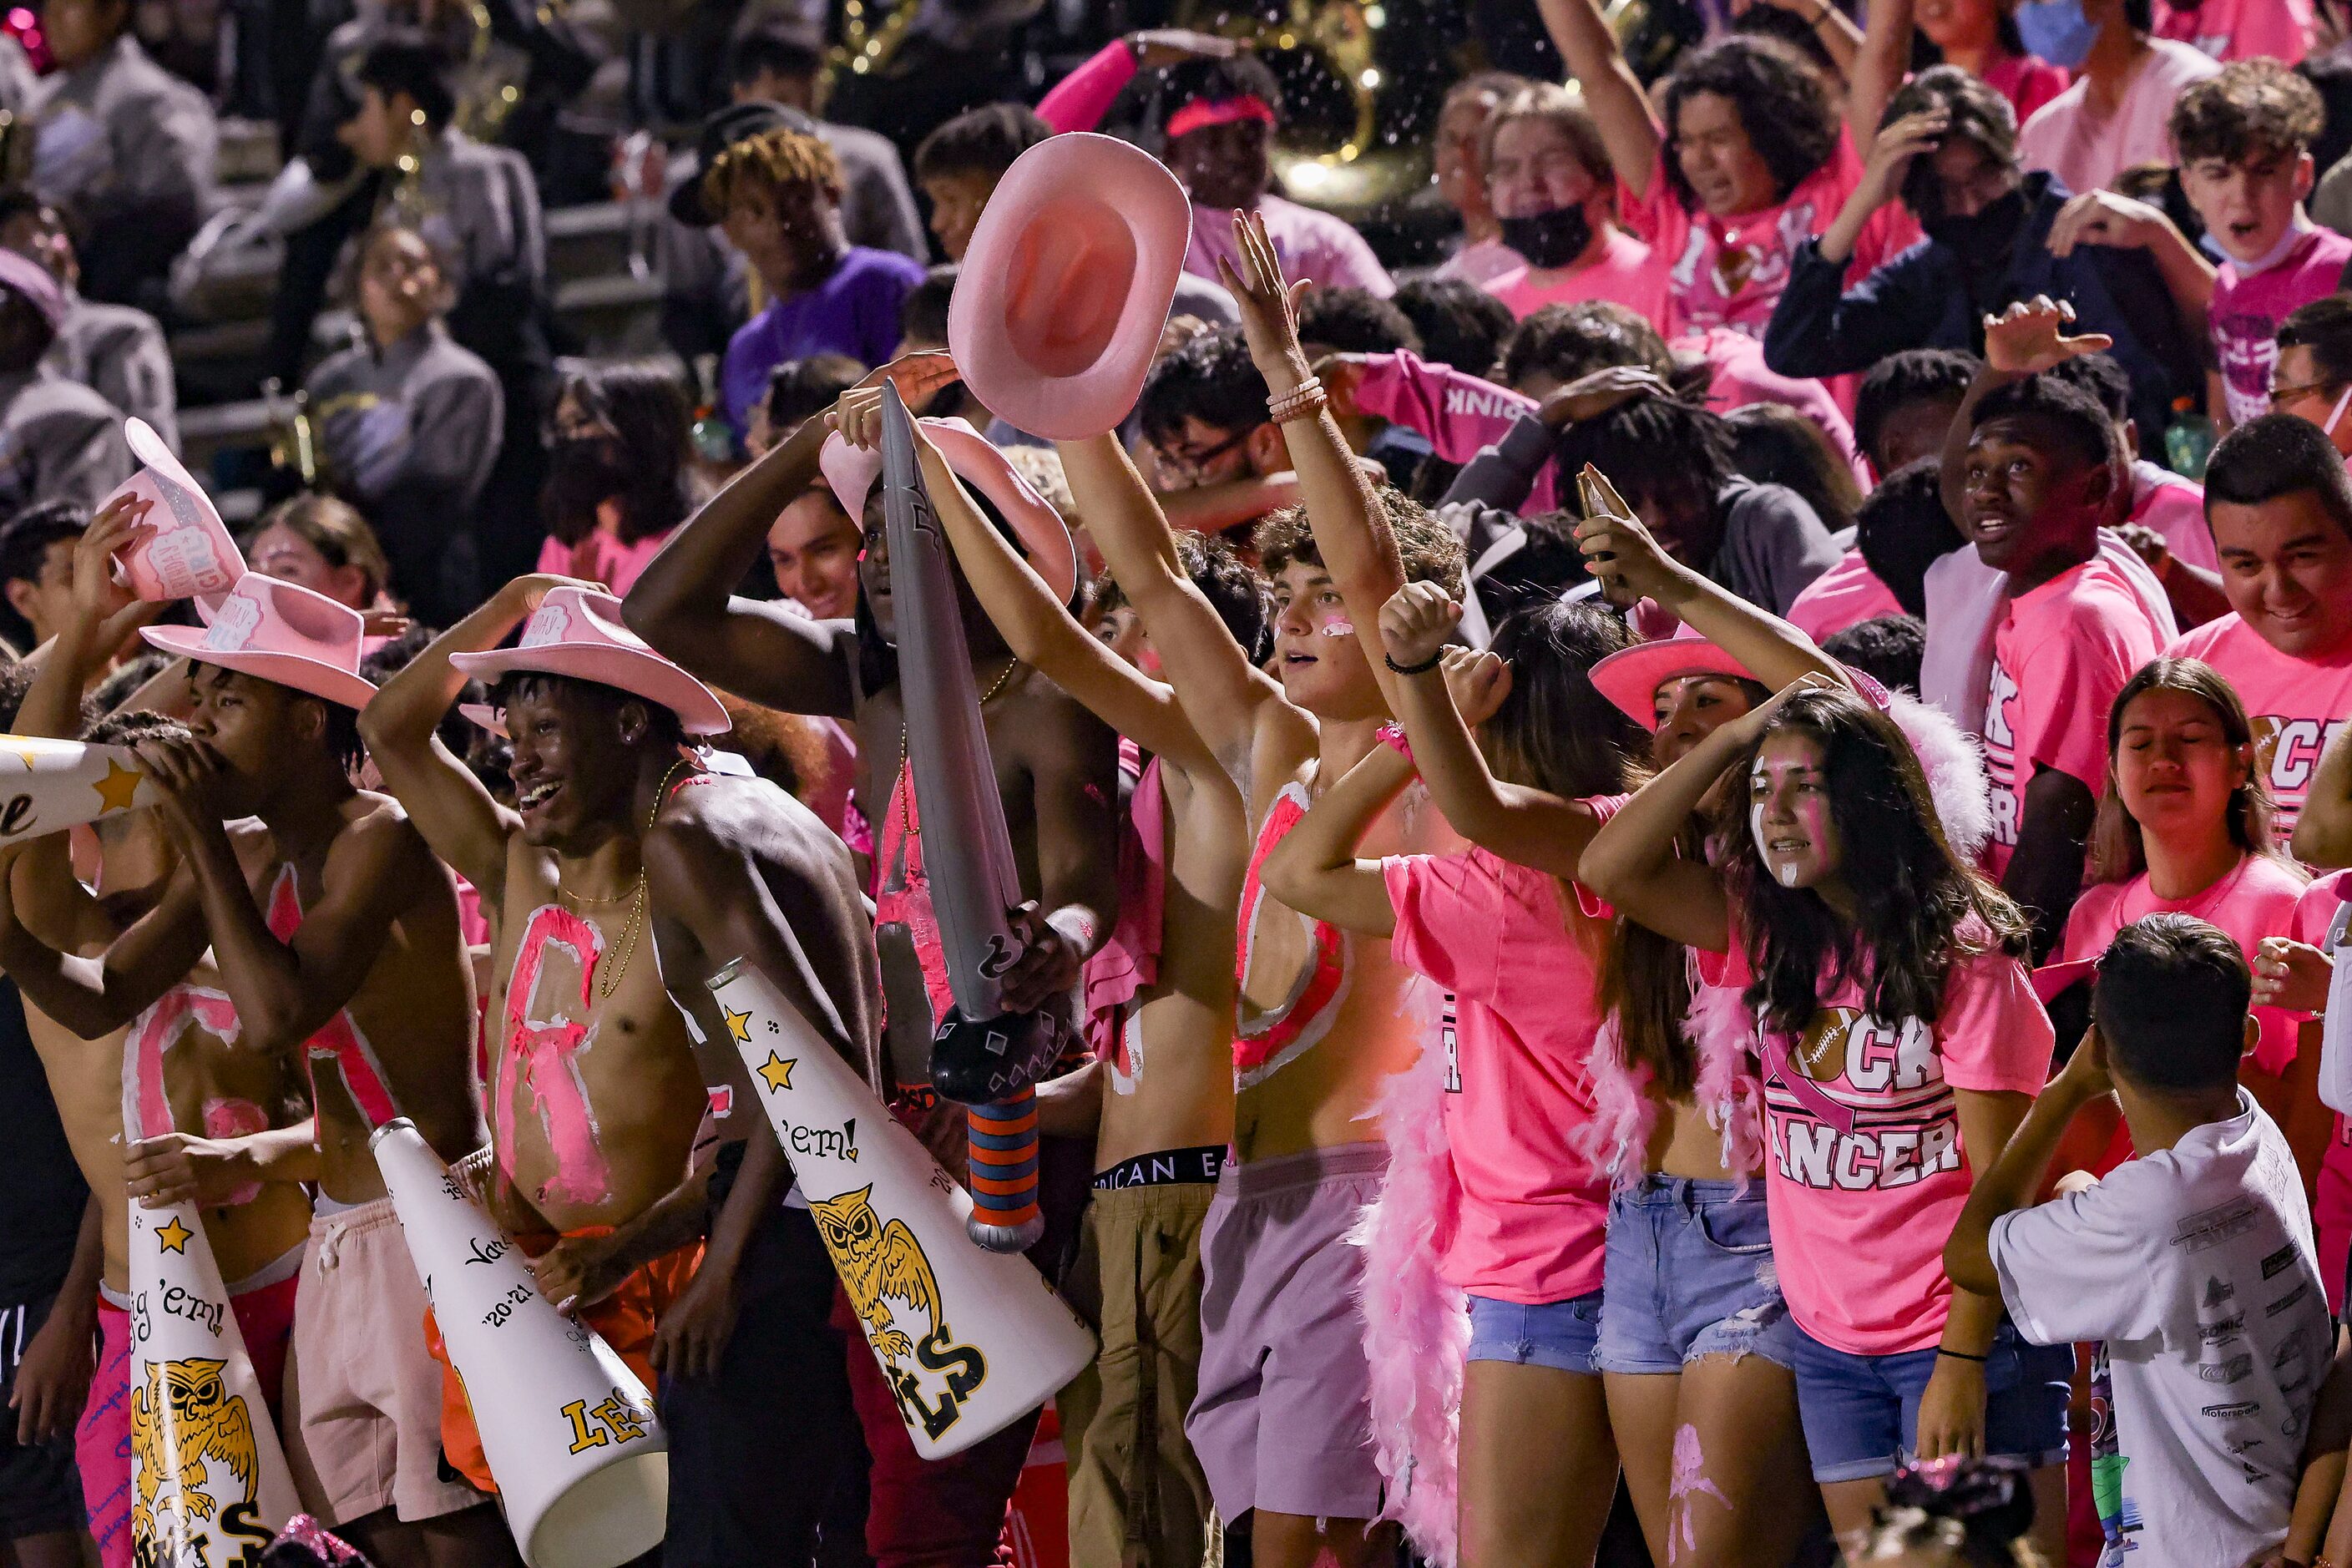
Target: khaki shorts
point(363, 1393)
point(1134, 1481)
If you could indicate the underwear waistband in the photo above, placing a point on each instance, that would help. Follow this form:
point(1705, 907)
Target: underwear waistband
point(1165, 1168)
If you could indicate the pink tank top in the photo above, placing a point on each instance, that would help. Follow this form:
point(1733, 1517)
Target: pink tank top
point(1265, 1044)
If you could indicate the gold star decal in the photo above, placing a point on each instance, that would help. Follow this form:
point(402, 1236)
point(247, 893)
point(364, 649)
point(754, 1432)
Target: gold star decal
point(174, 1236)
point(776, 1072)
point(739, 1026)
point(117, 788)
point(29, 754)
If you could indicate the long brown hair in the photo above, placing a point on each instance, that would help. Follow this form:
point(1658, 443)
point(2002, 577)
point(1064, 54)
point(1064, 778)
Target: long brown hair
point(2118, 851)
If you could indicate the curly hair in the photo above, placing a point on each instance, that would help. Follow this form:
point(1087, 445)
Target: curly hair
point(768, 162)
point(1355, 322)
point(1887, 648)
point(1564, 342)
point(2250, 108)
point(1912, 896)
point(1429, 551)
point(1212, 379)
point(2065, 408)
point(1233, 588)
point(1783, 105)
point(1654, 449)
point(2118, 851)
point(1775, 444)
point(1902, 529)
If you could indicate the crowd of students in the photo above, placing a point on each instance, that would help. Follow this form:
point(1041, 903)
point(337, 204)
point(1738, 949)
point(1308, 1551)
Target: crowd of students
point(1698, 854)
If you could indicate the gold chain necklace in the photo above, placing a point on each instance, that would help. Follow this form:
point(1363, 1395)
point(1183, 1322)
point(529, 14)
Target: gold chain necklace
point(636, 896)
point(905, 821)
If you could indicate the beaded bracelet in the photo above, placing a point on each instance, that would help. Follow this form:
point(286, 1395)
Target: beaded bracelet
point(1301, 402)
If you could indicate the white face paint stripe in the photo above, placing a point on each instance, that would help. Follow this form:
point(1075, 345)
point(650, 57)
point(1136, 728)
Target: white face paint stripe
point(1337, 629)
point(1785, 875)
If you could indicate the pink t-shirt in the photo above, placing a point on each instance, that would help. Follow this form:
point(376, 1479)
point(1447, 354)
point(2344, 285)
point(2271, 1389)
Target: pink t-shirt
point(1533, 1210)
point(1480, 262)
point(601, 557)
point(1846, 594)
point(1859, 1217)
point(2256, 901)
point(2316, 914)
point(2174, 506)
point(1626, 273)
point(1325, 250)
point(2239, 30)
point(2028, 81)
point(2059, 656)
point(2087, 154)
point(2298, 705)
point(2247, 311)
point(1729, 272)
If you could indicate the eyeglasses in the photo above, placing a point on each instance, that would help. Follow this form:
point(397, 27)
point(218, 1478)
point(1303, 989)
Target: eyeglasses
point(2283, 396)
point(1174, 466)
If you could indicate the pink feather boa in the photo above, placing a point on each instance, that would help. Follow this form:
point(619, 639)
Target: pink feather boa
point(1722, 1031)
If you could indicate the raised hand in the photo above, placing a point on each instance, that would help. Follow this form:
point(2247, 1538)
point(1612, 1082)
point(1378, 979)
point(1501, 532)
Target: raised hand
point(1416, 622)
point(1626, 557)
point(1268, 303)
point(1592, 395)
point(1478, 682)
point(1898, 142)
point(2102, 217)
point(2030, 336)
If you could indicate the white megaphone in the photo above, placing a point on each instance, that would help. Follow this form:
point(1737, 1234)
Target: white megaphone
point(970, 1341)
point(48, 785)
point(568, 1431)
point(209, 1486)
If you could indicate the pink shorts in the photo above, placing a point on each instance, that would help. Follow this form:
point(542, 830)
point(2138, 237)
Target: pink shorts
point(1283, 1420)
point(363, 1393)
point(264, 1305)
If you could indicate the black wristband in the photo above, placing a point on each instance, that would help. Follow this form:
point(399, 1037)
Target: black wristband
point(1961, 1356)
point(1423, 667)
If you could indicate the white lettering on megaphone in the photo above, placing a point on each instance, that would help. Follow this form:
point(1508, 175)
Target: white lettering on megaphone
point(234, 624)
point(490, 1253)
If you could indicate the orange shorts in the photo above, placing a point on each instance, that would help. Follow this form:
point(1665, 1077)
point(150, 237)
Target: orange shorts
point(624, 1320)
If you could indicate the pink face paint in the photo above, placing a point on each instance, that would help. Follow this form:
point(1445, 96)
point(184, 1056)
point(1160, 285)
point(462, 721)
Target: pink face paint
point(544, 1057)
point(236, 1119)
point(146, 1109)
point(1688, 1483)
point(339, 1042)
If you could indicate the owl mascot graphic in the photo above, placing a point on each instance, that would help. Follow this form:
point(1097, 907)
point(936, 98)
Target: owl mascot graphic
point(881, 1263)
point(207, 1424)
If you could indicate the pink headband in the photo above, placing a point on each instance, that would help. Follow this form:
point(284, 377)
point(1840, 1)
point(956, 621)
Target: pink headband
point(1202, 112)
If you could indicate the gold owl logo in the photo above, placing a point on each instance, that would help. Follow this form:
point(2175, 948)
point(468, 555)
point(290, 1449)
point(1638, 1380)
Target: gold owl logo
point(181, 1417)
point(881, 1263)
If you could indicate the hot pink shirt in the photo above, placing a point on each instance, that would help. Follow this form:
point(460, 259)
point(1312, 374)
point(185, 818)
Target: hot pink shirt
point(1846, 594)
point(2298, 705)
point(1860, 1218)
point(2239, 30)
point(1626, 273)
point(601, 558)
point(2247, 311)
point(1533, 1210)
point(2059, 656)
point(2256, 901)
point(1729, 272)
point(2331, 1204)
point(2174, 507)
point(2028, 81)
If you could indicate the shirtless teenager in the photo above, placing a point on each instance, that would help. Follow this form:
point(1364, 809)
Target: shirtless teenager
point(1282, 1420)
point(182, 1062)
point(1159, 1095)
point(629, 877)
point(1056, 773)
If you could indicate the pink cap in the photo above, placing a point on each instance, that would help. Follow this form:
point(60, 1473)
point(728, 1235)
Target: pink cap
point(191, 553)
point(850, 472)
point(1066, 283)
point(578, 633)
point(278, 632)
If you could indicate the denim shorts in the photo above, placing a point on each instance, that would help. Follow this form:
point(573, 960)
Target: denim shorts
point(1861, 1412)
point(1556, 1334)
point(1689, 1274)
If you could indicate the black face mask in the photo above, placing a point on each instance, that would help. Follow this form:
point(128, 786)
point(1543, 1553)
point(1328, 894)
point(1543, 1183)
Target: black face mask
point(584, 472)
point(1549, 239)
point(1981, 239)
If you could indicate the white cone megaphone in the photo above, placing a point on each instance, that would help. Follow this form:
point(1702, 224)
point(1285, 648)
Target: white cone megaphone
point(569, 1433)
point(209, 1486)
point(970, 1341)
point(48, 785)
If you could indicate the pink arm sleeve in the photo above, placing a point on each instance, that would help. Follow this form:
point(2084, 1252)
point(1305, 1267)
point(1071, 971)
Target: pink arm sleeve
point(1080, 99)
point(1458, 411)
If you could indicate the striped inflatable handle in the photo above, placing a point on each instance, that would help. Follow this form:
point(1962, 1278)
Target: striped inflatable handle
point(1003, 1178)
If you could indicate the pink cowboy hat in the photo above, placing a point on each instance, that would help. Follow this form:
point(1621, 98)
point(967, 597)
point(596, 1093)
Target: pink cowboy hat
point(850, 472)
point(1058, 310)
point(190, 553)
point(1630, 678)
point(577, 631)
point(276, 631)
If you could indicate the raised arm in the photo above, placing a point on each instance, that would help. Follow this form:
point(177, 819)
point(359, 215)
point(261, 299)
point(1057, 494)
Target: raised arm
point(684, 604)
point(1880, 57)
point(2028, 337)
point(1225, 698)
point(1620, 108)
point(95, 997)
point(1532, 826)
point(1071, 760)
point(1315, 870)
point(459, 820)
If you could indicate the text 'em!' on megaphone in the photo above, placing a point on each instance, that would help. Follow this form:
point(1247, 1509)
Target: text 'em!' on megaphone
point(569, 1432)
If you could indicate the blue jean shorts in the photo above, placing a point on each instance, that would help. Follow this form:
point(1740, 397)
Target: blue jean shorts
point(1861, 1412)
point(1689, 1274)
point(1556, 1334)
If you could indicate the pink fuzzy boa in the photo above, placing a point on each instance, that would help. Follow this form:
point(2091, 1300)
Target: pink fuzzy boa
point(1416, 1326)
point(1723, 1031)
point(1955, 770)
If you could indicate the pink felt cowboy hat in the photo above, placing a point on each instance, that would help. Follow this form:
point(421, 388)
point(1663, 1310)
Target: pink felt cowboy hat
point(190, 553)
point(578, 633)
point(1067, 284)
point(850, 472)
point(1630, 678)
point(278, 632)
